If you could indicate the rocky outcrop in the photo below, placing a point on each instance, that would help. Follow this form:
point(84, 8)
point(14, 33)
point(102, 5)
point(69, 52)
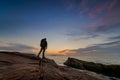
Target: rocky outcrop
point(110, 70)
point(13, 66)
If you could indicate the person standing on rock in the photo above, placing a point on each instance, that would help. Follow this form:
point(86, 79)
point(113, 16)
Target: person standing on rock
point(43, 45)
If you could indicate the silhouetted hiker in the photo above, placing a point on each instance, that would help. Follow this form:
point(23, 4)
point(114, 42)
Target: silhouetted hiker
point(43, 46)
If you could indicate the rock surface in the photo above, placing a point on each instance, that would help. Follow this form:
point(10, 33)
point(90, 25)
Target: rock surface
point(17, 66)
point(110, 70)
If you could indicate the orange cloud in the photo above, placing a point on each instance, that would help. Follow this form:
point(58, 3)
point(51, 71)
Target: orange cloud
point(4, 44)
point(64, 51)
point(67, 52)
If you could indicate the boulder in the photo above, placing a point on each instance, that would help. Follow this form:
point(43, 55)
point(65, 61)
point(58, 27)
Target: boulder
point(110, 70)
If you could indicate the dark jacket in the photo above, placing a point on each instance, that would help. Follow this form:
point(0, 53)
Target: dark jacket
point(43, 43)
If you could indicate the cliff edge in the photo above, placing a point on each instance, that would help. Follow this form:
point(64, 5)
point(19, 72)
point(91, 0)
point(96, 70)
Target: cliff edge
point(17, 66)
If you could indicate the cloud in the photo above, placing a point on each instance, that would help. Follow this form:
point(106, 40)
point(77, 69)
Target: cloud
point(103, 27)
point(110, 44)
point(107, 7)
point(93, 8)
point(106, 25)
point(67, 51)
point(104, 48)
point(115, 38)
point(16, 47)
point(96, 29)
point(77, 35)
point(3, 44)
point(112, 6)
point(97, 10)
point(104, 8)
point(64, 51)
point(102, 22)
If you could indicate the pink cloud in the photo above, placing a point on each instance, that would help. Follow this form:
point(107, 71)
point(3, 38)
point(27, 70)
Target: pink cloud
point(108, 6)
point(94, 25)
point(111, 7)
point(103, 24)
point(83, 6)
point(97, 10)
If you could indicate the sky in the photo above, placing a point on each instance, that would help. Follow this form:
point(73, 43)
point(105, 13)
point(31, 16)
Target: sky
point(72, 27)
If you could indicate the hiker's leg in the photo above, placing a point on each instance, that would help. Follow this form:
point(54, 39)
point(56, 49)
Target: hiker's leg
point(39, 52)
point(43, 56)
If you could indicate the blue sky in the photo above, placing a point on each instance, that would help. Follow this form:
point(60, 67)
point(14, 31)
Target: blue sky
point(68, 25)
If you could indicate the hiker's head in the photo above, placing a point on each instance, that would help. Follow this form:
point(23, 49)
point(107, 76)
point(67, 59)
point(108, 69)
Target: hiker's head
point(44, 38)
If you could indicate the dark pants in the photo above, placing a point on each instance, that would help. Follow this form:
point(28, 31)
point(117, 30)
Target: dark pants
point(42, 50)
